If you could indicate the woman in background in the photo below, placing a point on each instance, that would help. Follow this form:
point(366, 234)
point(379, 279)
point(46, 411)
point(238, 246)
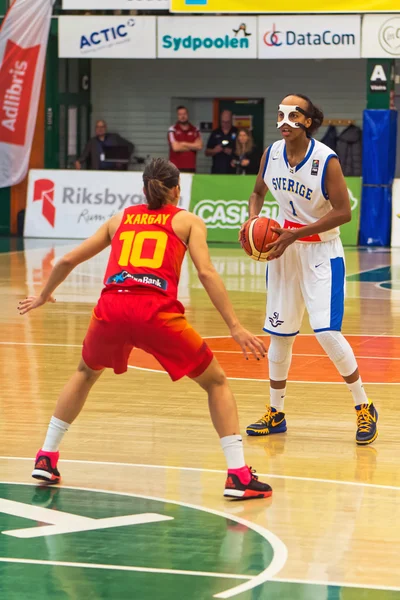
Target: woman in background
point(246, 158)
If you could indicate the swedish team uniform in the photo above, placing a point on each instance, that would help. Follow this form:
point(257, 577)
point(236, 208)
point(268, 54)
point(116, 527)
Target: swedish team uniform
point(311, 272)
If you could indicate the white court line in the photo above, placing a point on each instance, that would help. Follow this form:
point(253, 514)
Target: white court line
point(230, 378)
point(55, 563)
point(378, 486)
point(280, 551)
point(265, 380)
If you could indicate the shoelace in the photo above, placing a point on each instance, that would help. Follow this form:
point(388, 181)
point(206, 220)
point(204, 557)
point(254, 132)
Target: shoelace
point(267, 417)
point(364, 419)
point(253, 473)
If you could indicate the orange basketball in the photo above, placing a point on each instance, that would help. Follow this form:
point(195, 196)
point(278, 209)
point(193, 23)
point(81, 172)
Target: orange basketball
point(256, 235)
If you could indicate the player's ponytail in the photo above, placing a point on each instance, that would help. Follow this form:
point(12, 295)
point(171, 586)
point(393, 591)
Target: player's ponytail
point(314, 113)
point(159, 177)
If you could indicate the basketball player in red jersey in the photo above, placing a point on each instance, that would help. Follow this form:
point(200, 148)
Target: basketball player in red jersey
point(138, 307)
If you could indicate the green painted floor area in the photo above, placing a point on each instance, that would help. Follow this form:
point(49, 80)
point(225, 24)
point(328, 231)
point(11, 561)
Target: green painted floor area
point(193, 540)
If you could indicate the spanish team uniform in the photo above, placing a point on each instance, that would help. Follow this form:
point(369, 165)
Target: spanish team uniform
point(311, 272)
point(138, 306)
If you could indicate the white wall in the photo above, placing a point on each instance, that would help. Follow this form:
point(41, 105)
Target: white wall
point(135, 96)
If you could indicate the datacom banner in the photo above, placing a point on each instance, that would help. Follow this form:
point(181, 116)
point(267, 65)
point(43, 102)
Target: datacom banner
point(207, 37)
point(115, 4)
point(107, 37)
point(309, 37)
point(290, 6)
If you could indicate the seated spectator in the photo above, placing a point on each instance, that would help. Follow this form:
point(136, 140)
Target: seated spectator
point(246, 159)
point(96, 151)
point(184, 142)
point(221, 145)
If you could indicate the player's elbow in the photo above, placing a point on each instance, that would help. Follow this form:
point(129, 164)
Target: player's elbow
point(206, 274)
point(67, 262)
point(346, 216)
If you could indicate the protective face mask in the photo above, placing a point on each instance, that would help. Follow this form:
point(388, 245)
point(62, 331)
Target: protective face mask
point(286, 109)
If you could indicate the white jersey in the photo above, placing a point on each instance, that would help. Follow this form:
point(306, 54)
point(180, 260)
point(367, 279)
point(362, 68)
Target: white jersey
point(300, 191)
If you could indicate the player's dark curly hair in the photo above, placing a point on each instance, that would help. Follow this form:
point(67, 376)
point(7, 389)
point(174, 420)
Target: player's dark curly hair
point(314, 113)
point(159, 177)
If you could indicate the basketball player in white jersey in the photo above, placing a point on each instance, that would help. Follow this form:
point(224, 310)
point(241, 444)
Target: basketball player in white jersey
point(306, 268)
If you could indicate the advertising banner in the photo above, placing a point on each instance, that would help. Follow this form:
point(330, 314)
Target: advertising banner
point(115, 4)
point(107, 37)
point(309, 36)
point(73, 204)
point(291, 6)
point(396, 214)
point(207, 37)
point(23, 41)
point(222, 202)
point(381, 36)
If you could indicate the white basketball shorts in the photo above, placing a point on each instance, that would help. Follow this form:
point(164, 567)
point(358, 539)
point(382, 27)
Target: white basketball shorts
point(307, 275)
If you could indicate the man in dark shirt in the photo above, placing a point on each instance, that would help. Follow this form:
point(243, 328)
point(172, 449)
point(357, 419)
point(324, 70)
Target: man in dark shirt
point(94, 154)
point(221, 144)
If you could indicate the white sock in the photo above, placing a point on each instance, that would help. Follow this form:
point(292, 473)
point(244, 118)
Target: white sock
point(232, 445)
point(358, 392)
point(277, 398)
point(55, 433)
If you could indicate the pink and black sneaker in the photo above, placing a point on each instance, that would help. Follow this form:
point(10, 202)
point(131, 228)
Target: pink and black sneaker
point(46, 467)
point(243, 484)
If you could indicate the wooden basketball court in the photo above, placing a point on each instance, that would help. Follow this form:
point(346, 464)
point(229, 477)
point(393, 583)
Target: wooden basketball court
point(140, 513)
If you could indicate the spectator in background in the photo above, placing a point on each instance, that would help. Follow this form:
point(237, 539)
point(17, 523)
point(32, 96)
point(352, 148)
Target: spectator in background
point(246, 157)
point(94, 154)
point(221, 145)
point(184, 142)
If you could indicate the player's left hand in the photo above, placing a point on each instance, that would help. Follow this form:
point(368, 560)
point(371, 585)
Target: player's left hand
point(32, 302)
point(286, 237)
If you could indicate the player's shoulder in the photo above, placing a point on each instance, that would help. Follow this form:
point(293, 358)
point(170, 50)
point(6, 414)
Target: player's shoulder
point(322, 150)
point(172, 129)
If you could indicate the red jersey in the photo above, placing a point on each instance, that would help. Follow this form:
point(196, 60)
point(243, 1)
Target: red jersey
point(183, 160)
point(146, 254)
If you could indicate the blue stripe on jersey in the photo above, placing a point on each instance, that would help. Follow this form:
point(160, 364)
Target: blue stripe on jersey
point(325, 193)
point(266, 278)
point(266, 161)
point(337, 293)
point(305, 159)
point(280, 334)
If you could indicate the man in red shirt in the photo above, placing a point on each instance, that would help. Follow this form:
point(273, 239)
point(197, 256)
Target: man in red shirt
point(184, 141)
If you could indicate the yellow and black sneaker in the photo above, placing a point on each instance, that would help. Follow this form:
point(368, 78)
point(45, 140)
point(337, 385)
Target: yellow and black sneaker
point(367, 418)
point(271, 422)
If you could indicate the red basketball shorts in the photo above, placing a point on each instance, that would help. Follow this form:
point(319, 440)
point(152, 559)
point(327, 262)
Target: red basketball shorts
point(122, 321)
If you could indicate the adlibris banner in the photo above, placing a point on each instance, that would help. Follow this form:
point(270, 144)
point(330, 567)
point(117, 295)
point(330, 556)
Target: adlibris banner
point(23, 41)
point(290, 6)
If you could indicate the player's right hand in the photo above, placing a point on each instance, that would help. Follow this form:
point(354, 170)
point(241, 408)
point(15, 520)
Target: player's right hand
point(248, 342)
point(244, 225)
point(32, 302)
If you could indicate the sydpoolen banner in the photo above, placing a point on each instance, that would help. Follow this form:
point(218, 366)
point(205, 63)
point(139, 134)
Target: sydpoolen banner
point(73, 204)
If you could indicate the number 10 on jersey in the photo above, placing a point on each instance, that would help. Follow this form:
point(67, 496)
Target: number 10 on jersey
point(132, 248)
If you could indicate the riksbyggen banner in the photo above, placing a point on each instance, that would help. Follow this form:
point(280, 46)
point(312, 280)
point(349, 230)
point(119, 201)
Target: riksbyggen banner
point(290, 6)
point(73, 204)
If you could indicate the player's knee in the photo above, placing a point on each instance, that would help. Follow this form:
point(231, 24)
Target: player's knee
point(212, 376)
point(339, 351)
point(90, 374)
point(280, 356)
